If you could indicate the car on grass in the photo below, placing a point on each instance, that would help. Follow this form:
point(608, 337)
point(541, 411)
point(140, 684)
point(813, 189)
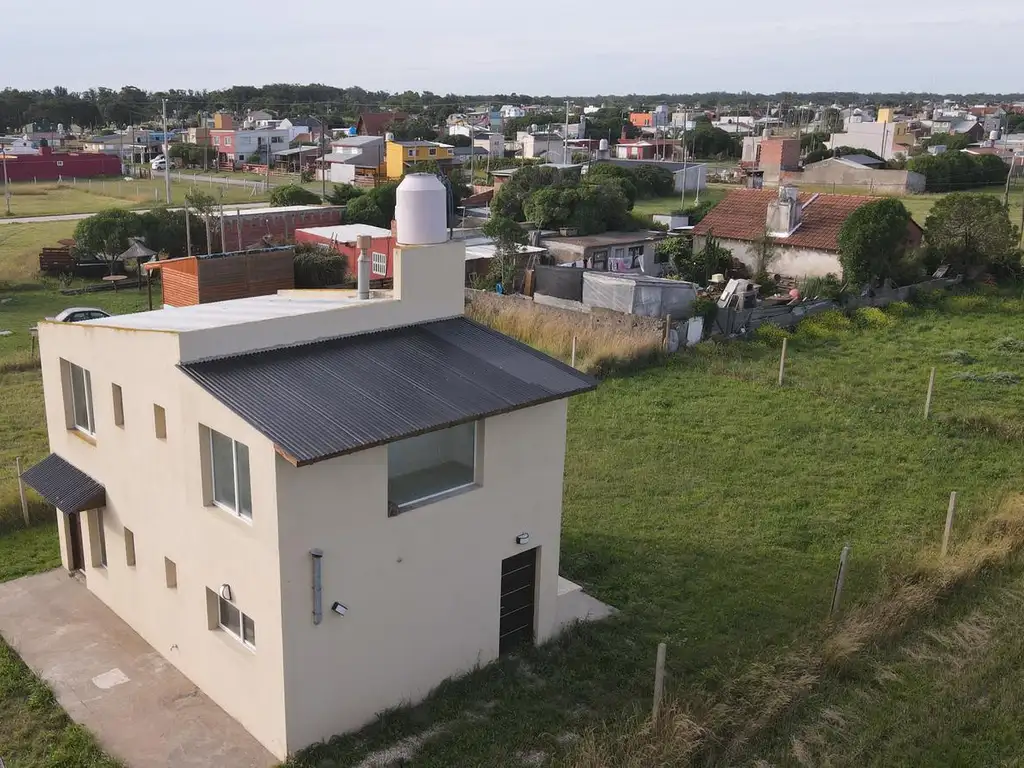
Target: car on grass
point(78, 314)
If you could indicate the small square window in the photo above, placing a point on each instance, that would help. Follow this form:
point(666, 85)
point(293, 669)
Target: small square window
point(160, 421)
point(170, 573)
point(129, 547)
point(432, 151)
point(118, 405)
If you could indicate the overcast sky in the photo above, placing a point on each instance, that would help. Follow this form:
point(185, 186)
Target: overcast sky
point(536, 47)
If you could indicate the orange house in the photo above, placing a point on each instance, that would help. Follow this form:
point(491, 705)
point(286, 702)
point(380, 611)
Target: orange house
point(641, 119)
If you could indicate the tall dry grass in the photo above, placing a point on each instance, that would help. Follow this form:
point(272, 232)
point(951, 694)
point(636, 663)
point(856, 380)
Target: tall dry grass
point(716, 728)
point(602, 347)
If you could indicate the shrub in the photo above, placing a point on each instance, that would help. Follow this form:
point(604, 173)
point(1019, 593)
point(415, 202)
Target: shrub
point(826, 326)
point(899, 309)
point(340, 194)
point(872, 317)
point(970, 302)
point(996, 377)
point(930, 299)
point(873, 240)
point(1009, 344)
point(959, 356)
point(293, 194)
point(317, 267)
point(827, 287)
point(770, 335)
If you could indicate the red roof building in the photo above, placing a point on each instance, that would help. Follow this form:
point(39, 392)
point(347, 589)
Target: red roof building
point(803, 226)
point(377, 123)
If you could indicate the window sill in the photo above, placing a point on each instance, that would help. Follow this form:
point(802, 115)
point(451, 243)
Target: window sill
point(232, 641)
point(85, 437)
point(229, 512)
point(432, 499)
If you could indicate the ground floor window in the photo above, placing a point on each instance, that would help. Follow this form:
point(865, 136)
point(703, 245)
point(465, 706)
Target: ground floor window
point(425, 467)
point(236, 623)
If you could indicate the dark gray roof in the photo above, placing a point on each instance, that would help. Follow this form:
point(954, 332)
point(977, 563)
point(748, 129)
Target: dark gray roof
point(328, 398)
point(64, 485)
point(867, 160)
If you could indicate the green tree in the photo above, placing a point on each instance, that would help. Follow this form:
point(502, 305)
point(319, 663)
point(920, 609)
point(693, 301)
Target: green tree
point(164, 231)
point(200, 201)
point(415, 128)
point(508, 238)
point(970, 232)
point(873, 241)
point(341, 194)
point(548, 208)
point(652, 181)
point(365, 210)
point(511, 197)
point(458, 140)
point(951, 141)
point(293, 194)
point(603, 172)
point(107, 234)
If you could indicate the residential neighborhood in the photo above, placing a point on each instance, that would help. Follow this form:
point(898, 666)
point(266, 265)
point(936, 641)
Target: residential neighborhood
point(364, 428)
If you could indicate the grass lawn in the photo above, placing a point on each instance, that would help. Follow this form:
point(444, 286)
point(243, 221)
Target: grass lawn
point(91, 195)
point(20, 245)
point(713, 192)
point(709, 505)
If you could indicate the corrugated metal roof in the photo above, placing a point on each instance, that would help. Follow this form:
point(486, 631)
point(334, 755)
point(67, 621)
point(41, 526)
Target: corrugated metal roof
point(328, 398)
point(64, 485)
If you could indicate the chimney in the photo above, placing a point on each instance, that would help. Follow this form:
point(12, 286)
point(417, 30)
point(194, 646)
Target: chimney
point(364, 243)
point(784, 214)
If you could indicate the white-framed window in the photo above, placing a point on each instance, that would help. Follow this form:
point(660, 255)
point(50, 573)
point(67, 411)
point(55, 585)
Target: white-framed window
point(380, 264)
point(236, 623)
point(432, 151)
point(229, 469)
point(60, 163)
point(216, 141)
point(81, 400)
point(227, 141)
point(427, 467)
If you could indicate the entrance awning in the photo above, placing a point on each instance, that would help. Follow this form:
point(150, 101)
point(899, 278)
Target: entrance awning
point(64, 485)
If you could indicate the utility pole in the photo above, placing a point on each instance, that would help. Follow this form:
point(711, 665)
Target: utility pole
point(323, 163)
point(565, 142)
point(167, 158)
point(7, 186)
point(1006, 191)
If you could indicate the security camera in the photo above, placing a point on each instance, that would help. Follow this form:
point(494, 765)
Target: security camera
point(339, 609)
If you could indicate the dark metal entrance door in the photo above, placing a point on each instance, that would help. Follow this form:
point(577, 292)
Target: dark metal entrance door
point(518, 590)
point(77, 550)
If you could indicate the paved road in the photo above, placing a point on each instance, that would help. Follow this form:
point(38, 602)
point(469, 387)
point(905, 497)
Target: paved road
point(80, 216)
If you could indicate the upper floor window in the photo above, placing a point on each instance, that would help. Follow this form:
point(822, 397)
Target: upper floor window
point(229, 466)
point(426, 467)
point(81, 399)
point(432, 151)
point(227, 141)
point(216, 140)
point(412, 153)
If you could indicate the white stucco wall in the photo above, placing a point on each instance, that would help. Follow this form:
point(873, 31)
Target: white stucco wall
point(422, 588)
point(155, 488)
point(791, 262)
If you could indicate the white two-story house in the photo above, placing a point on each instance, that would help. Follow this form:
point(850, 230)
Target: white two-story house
point(316, 506)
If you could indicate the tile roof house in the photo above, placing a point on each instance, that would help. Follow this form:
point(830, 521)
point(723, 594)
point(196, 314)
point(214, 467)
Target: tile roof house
point(317, 505)
point(804, 226)
point(376, 123)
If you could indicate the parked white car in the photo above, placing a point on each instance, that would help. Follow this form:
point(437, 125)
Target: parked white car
point(78, 314)
point(159, 163)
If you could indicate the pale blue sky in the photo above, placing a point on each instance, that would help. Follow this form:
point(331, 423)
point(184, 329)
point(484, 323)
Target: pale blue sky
point(528, 46)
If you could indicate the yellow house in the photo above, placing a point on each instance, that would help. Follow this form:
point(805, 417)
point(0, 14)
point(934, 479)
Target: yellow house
point(886, 115)
point(402, 154)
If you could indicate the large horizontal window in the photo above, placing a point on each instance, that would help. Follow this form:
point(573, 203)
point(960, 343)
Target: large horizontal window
point(428, 466)
point(230, 473)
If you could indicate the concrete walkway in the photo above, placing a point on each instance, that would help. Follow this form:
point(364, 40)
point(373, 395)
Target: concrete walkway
point(141, 709)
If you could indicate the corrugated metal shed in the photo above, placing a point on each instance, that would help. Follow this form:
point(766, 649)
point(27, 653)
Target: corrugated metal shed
point(329, 398)
point(64, 485)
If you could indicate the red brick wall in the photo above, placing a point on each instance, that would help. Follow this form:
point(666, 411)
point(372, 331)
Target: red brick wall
point(383, 245)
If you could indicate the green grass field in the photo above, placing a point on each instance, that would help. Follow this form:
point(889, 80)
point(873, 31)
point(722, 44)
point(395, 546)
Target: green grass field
point(91, 195)
point(714, 192)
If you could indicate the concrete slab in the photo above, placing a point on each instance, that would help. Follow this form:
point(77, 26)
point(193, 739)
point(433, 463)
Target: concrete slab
point(141, 708)
point(573, 604)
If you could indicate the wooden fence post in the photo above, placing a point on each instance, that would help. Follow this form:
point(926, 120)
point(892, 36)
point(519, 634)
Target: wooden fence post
point(928, 398)
point(21, 491)
point(837, 592)
point(573, 351)
point(659, 681)
point(782, 362)
point(950, 514)
point(668, 330)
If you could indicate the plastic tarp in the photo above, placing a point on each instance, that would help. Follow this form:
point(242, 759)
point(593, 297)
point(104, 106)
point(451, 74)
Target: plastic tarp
point(638, 294)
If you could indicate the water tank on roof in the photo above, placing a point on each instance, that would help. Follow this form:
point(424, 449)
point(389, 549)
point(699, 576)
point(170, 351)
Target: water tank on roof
point(603, 145)
point(389, 136)
point(421, 210)
point(993, 135)
point(352, 131)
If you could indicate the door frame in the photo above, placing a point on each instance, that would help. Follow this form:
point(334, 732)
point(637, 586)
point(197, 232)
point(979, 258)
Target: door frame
point(76, 544)
point(534, 565)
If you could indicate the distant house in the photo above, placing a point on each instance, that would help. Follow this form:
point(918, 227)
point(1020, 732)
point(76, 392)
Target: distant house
point(540, 144)
point(304, 124)
point(647, 149)
point(846, 172)
point(355, 160)
point(377, 123)
point(887, 140)
point(608, 251)
point(402, 154)
point(465, 155)
point(803, 227)
point(865, 161)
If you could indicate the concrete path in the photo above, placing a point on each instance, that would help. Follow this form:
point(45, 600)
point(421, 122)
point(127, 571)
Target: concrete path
point(141, 709)
point(80, 216)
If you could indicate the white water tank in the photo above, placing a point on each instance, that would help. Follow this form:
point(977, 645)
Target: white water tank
point(421, 210)
point(602, 145)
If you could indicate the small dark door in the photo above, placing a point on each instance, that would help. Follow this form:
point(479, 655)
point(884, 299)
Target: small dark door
point(518, 589)
point(75, 529)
